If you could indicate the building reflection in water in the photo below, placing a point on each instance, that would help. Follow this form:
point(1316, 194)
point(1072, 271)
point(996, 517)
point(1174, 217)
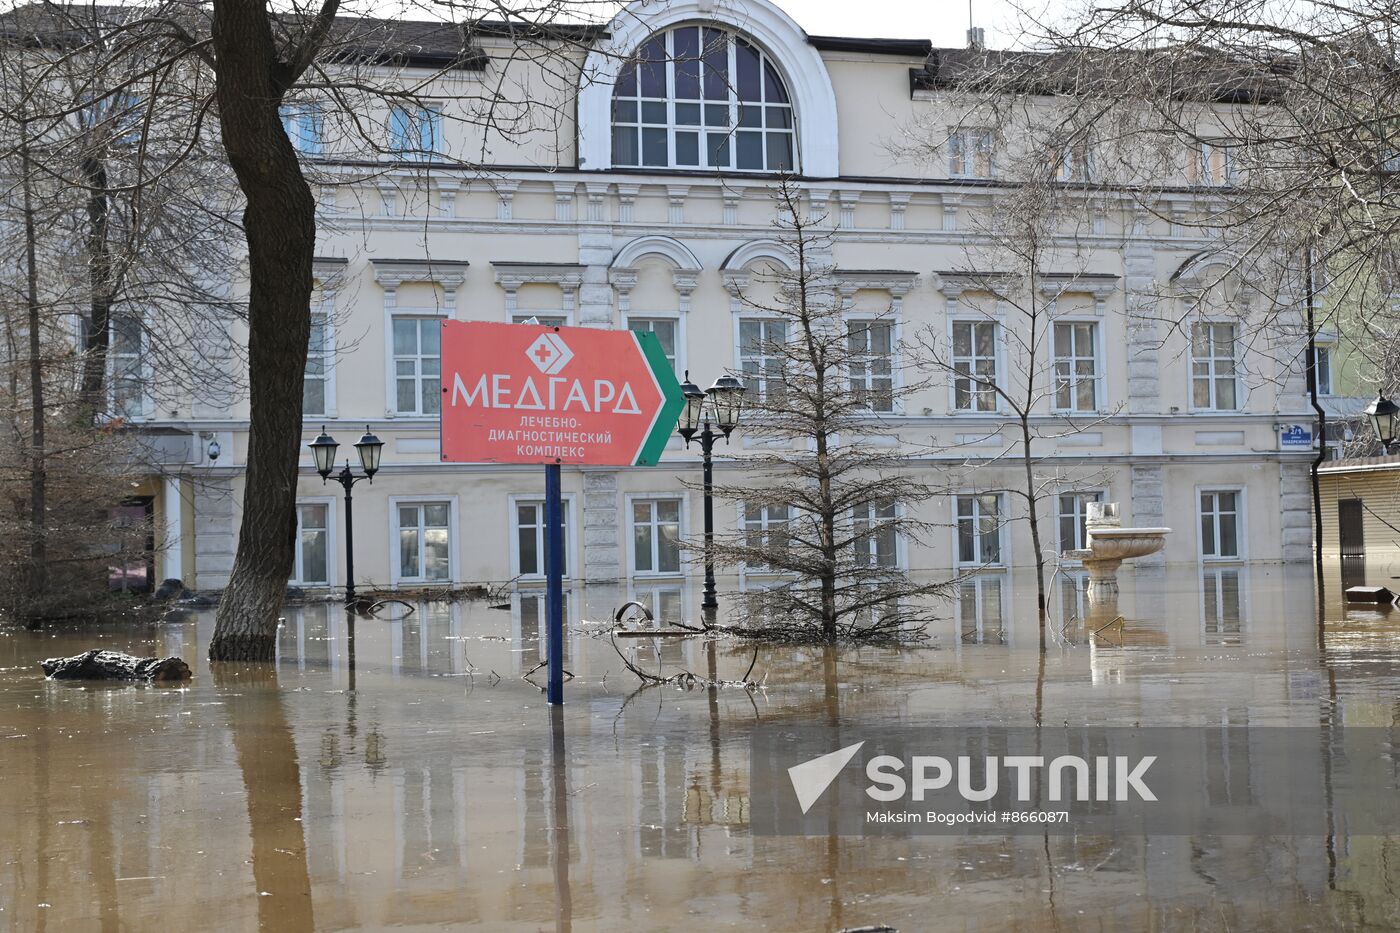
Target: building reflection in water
point(983, 615)
point(1224, 612)
point(427, 803)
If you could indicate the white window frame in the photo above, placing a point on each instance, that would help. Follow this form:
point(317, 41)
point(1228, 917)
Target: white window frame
point(977, 562)
point(629, 500)
point(1241, 529)
point(963, 146)
point(747, 570)
point(758, 384)
point(1327, 346)
point(731, 102)
point(682, 358)
point(326, 308)
point(1077, 162)
point(294, 120)
point(896, 403)
point(391, 368)
point(901, 557)
point(570, 535)
point(1096, 379)
point(419, 153)
point(998, 360)
point(143, 365)
point(1205, 153)
point(1060, 514)
point(332, 553)
point(1211, 363)
point(454, 553)
point(565, 318)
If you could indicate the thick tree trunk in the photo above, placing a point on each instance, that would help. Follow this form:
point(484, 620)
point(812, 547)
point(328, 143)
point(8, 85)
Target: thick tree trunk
point(38, 577)
point(280, 225)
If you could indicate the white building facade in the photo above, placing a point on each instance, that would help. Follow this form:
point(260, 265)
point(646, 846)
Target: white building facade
point(650, 210)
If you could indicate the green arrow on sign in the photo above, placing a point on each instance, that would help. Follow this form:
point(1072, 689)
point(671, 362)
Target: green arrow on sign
point(670, 389)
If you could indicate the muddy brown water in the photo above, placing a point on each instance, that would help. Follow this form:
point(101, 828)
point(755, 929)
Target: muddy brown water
point(420, 784)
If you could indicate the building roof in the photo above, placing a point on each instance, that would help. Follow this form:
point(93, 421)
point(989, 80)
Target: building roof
point(1361, 464)
point(910, 48)
point(1217, 78)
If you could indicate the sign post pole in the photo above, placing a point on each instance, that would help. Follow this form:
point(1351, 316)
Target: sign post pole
point(554, 582)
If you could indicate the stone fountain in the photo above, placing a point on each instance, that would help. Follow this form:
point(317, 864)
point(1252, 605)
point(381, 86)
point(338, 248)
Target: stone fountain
point(1110, 545)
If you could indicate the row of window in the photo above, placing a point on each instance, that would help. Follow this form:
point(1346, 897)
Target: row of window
point(972, 154)
point(414, 131)
point(425, 538)
point(976, 361)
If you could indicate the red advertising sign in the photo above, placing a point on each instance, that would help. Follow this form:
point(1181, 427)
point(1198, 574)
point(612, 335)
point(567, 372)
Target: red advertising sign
point(525, 393)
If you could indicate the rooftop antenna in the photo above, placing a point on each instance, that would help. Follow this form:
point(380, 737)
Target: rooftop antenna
point(976, 36)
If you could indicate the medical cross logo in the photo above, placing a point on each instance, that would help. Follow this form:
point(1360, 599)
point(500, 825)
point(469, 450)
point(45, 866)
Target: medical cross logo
point(549, 353)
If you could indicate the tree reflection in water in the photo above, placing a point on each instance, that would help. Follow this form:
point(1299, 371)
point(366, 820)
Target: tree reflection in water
point(267, 758)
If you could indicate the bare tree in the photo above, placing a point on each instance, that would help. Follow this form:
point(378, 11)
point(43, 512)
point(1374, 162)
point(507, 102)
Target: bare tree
point(825, 503)
point(238, 64)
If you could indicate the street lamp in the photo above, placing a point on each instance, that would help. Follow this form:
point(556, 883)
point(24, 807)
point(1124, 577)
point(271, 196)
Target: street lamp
point(323, 450)
point(721, 403)
point(1383, 414)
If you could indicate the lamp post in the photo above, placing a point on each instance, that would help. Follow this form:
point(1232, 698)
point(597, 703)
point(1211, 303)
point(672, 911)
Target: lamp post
point(720, 404)
point(1385, 419)
point(323, 450)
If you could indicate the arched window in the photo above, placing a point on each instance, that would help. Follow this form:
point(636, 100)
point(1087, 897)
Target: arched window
point(702, 97)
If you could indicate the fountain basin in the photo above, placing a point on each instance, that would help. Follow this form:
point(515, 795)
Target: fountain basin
point(1108, 547)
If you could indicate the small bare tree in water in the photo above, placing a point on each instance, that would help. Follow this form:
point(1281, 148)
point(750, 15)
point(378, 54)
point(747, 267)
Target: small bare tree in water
point(825, 498)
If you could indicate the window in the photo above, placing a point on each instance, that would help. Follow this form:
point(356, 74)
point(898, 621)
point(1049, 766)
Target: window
point(979, 529)
point(425, 540)
point(1213, 383)
point(305, 126)
point(760, 356)
point(876, 540)
point(1322, 367)
point(313, 544)
point(1077, 162)
point(1072, 508)
point(417, 365)
point(1216, 165)
point(125, 354)
point(970, 154)
point(701, 97)
point(316, 381)
point(656, 536)
point(766, 529)
point(1220, 524)
point(415, 131)
point(544, 320)
point(125, 111)
point(530, 537)
point(665, 331)
point(974, 365)
point(871, 363)
point(1076, 366)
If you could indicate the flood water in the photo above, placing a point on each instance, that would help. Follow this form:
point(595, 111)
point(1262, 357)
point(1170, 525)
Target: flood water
point(411, 779)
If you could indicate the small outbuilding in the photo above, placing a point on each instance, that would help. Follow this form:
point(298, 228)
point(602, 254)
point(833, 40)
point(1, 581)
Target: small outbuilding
point(1361, 508)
